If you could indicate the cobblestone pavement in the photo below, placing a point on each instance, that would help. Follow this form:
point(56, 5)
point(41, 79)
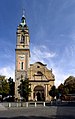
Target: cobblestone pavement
point(51, 112)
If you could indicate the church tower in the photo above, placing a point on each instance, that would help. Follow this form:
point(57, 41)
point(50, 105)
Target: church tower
point(41, 79)
point(22, 53)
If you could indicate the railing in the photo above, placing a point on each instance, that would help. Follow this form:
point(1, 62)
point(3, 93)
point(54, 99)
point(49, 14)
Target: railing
point(37, 104)
point(23, 104)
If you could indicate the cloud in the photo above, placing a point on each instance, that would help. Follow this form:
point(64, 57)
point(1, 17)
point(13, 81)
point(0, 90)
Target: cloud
point(41, 53)
point(60, 76)
point(62, 66)
point(8, 71)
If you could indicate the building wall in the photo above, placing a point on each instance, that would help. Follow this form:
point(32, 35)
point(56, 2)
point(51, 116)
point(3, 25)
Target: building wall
point(22, 54)
point(39, 75)
point(41, 79)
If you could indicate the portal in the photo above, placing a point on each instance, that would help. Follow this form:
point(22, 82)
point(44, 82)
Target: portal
point(39, 93)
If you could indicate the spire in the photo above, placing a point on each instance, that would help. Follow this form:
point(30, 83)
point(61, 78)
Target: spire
point(23, 20)
point(23, 13)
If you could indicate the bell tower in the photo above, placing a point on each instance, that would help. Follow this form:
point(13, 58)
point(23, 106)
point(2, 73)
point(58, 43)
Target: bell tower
point(22, 53)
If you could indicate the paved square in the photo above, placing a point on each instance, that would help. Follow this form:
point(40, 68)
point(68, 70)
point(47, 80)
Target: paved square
point(51, 112)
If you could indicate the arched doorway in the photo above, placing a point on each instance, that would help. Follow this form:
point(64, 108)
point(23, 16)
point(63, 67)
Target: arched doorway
point(39, 93)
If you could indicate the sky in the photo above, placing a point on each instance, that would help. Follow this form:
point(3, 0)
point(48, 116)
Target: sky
point(52, 35)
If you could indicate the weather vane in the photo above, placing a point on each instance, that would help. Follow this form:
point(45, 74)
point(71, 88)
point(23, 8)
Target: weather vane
point(23, 12)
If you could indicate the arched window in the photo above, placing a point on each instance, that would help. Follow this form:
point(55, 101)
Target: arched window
point(39, 73)
point(22, 39)
point(22, 65)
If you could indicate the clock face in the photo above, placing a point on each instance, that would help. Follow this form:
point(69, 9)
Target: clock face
point(21, 57)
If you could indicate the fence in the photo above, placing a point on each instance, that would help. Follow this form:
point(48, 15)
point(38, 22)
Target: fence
point(23, 104)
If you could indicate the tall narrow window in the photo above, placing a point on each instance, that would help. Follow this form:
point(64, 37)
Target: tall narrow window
point(22, 39)
point(26, 40)
point(22, 65)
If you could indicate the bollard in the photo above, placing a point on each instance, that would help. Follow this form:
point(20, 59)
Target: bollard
point(35, 104)
point(26, 104)
point(17, 104)
point(51, 102)
point(9, 104)
point(44, 104)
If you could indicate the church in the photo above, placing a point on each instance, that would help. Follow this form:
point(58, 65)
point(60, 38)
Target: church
point(41, 79)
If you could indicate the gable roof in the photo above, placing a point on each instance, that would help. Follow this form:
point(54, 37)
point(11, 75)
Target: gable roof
point(39, 63)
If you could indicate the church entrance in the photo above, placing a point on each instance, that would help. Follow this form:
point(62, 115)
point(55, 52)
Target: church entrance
point(39, 93)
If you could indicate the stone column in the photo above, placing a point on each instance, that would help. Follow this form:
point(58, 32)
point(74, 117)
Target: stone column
point(31, 92)
point(46, 92)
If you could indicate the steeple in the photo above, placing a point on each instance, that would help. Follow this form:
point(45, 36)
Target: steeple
point(22, 53)
point(22, 33)
point(23, 20)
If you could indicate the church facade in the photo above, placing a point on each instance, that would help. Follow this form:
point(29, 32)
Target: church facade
point(41, 79)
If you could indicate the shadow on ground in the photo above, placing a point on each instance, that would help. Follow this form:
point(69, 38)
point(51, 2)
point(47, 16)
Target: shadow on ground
point(40, 117)
point(65, 103)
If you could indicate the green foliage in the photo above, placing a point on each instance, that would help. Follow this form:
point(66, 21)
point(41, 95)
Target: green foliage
point(24, 89)
point(53, 91)
point(62, 90)
point(67, 88)
point(11, 86)
point(4, 86)
point(70, 84)
point(2, 78)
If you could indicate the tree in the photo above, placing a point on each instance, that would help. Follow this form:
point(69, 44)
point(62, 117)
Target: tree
point(4, 86)
point(62, 90)
point(53, 91)
point(24, 89)
point(11, 86)
point(70, 84)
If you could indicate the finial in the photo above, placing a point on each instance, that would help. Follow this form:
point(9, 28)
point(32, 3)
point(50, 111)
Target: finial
point(23, 13)
point(23, 20)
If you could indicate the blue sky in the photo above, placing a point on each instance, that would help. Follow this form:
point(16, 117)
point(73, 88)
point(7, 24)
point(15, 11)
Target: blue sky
point(52, 35)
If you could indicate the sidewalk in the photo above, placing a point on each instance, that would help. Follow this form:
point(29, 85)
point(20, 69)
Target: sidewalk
point(2, 107)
